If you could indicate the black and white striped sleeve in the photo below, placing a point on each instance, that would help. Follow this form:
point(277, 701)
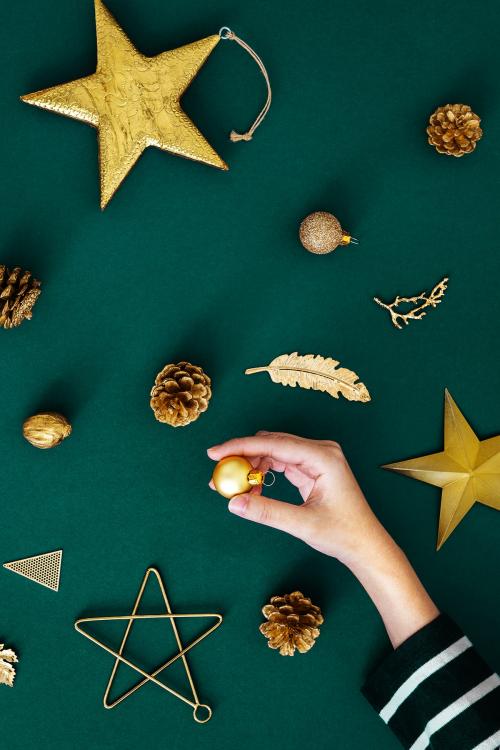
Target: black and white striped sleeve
point(435, 691)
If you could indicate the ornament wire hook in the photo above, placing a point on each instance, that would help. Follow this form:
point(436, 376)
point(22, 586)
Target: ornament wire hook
point(273, 478)
point(225, 32)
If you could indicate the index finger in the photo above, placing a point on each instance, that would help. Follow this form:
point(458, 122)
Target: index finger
point(288, 449)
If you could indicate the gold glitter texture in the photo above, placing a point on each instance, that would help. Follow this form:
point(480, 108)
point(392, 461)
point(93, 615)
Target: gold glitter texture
point(320, 233)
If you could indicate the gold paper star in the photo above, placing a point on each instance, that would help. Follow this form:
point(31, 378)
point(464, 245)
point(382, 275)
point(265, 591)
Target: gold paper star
point(468, 470)
point(133, 101)
point(200, 717)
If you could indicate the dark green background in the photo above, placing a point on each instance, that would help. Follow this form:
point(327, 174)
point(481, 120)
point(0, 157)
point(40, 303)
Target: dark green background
point(191, 263)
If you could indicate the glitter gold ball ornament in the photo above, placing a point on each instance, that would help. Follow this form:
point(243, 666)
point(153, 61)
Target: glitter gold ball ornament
point(454, 130)
point(180, 394)
point(292, 623)
point(46, 430)
point(18, 293)
point(321, 233)
point(235, 475)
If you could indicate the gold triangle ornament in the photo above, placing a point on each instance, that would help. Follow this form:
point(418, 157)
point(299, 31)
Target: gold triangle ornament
point(43, 569)
point(201, 712)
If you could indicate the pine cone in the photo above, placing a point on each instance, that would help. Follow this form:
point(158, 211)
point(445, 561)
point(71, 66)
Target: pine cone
point(292, 623)
point(180, 394)
point(454, 129)
point(18, 293)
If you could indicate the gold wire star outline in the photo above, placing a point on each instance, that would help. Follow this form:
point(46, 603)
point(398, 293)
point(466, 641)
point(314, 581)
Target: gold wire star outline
point(121, 659)
point(134, 101)
point(467, 470)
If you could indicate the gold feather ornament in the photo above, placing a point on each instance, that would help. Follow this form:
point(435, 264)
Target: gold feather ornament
point(7, 671)
point(316, 372)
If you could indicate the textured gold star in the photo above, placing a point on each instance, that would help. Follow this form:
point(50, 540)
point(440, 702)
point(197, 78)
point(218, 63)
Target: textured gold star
point(133, 101)
point(467, 470)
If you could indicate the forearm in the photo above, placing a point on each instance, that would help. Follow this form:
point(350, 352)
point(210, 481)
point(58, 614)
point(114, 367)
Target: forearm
point(387, 576)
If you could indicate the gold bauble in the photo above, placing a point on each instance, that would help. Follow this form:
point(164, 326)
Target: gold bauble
point(321, 232)
point(46, 430)
point(235, 475)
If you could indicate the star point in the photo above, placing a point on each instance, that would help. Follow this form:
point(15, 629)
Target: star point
point(134, 102)
point(467, 470)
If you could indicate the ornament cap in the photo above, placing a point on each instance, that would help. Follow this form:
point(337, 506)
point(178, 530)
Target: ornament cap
point(255, 478)
point(258, 478)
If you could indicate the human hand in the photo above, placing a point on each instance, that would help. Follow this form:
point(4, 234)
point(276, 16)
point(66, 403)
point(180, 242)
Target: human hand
point(334, 517)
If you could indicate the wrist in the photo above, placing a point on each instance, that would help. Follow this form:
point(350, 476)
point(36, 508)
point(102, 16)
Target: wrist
point(387, 576)
point(370, 548)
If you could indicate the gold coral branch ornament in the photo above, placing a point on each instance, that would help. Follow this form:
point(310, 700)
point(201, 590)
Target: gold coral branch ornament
point(201, 717)
point(316, 372)
point(428, 299)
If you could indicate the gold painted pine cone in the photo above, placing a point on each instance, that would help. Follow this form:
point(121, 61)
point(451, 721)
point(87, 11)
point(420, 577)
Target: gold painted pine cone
point(18, 293)
point(292, 623)
point(454, 130)
point(180, 394)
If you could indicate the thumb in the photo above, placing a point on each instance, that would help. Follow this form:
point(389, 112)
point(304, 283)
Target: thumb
point(269, 512)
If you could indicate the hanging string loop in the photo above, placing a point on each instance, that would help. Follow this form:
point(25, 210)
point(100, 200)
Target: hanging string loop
point(226, 33)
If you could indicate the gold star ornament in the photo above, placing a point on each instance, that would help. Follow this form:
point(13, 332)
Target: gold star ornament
point(133, 101)
point(467, 470)
point(201, 712)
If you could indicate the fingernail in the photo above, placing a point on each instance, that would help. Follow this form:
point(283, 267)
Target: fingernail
point(238, 504)
point(213, 448)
